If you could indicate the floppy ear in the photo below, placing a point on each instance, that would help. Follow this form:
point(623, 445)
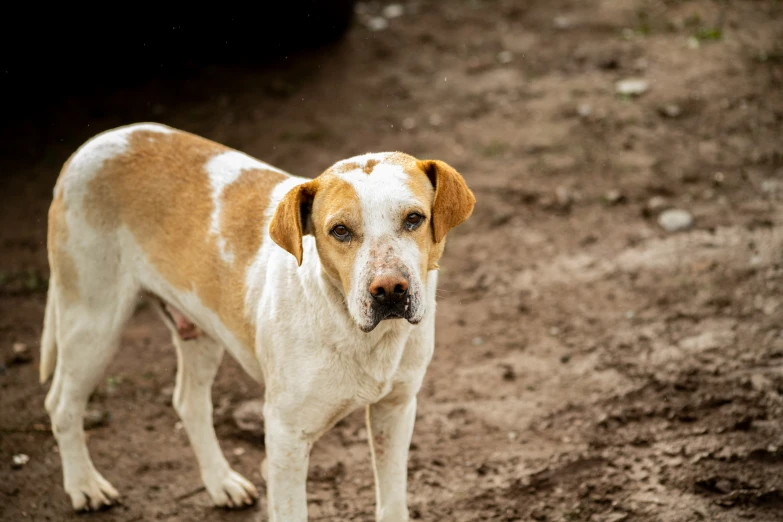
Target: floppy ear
point(454, 201)
point(292, 218)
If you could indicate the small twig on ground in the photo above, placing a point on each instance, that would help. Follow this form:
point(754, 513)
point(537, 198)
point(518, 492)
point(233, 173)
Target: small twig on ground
point(190, 493)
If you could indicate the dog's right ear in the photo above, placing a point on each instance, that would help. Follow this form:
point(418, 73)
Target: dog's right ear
point(292, 218)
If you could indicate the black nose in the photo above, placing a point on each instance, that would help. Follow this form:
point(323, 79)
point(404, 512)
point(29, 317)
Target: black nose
point(389, 290)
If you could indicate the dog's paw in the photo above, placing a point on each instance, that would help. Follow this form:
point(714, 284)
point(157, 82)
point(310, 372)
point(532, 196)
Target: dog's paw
point(233, 491)
point(92, 493)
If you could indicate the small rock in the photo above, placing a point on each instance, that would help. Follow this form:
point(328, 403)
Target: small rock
point(249, 417)
point(770, 186)
point(670, 110)
point(95, 419)
point(239, 451)
point(632, 87)
point(723, 485)
point(435, 120)
point(377, 23)
point(614, 196)
point(409, 123)
point(563, 196)
point(675, 220)
point(562, 22)
point(584, 110)
point(656, 203)
point(393, 11)
point(505, 57)
point(719, 178)
point(760, 382)
point(477, 341)
point(513, 435)
point(18, 461)
point(20, 354)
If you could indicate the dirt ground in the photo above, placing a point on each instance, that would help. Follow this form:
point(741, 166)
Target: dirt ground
point(589, 364)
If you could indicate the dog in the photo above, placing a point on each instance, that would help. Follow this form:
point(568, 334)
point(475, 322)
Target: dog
point(323, 289)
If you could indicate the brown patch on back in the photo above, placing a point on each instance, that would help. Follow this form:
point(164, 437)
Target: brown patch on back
point(248, 196)
point(61, 264)
point(160, 190)
point(342, 168)
point(369, 166)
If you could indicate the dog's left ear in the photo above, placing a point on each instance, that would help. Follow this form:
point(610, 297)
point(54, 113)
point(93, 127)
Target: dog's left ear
point(454, 201)
point(292, 218)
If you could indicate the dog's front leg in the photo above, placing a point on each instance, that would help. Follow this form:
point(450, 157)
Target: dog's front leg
point(287, 459)
point(390, 423)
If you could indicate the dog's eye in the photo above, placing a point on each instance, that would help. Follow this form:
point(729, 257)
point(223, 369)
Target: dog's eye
point(413, 221)
point(341, 233)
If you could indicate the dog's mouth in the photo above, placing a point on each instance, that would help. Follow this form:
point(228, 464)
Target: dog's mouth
point(402, 310)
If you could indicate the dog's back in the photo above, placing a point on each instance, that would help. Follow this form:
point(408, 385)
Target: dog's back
point(195, 211)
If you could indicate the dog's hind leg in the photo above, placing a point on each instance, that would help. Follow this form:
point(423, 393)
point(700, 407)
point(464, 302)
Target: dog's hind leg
point(88, 327)
point(198, 360)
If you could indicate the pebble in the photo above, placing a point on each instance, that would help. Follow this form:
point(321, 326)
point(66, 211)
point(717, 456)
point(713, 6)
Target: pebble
point(562, 22)
point(671, 110)
point(675, 220)
point(723, 485)
point(656, 203)
point(435, 120)
point(393, 11)
point(614, 196)
point(505, 57)
point(95, 419)
point(632, 87)
point(770, 186)
point(19, 461)
point(760, 382)
point(584, 110)
point(563, 196)
point(377, 23)
point(409, 123)
point(249, 417)
point(20, 354)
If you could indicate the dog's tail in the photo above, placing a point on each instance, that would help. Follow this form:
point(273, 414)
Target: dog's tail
point(48, 337)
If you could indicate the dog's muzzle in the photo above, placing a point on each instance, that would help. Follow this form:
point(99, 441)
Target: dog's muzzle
point(390, 298)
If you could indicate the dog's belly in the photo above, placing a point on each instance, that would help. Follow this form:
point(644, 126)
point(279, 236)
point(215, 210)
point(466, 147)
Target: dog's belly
point(194, 312)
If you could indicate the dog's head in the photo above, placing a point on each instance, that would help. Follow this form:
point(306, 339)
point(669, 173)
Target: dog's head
point(380, 222)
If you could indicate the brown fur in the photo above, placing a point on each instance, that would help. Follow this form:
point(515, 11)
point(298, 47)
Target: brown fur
point(338, 258)
point(454, 201)
point(345, 167)
point(369, 166)
point(287, 227)
point(323, 197)
point(160, 190)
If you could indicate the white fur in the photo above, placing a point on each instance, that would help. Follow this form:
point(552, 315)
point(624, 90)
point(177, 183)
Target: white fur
point(223, 170)
point(317, 365)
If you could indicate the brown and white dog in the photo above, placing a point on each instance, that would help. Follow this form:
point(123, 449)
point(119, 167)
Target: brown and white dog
point(324, 289)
